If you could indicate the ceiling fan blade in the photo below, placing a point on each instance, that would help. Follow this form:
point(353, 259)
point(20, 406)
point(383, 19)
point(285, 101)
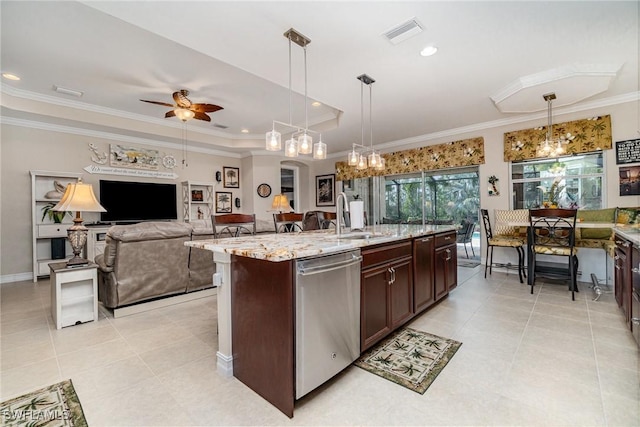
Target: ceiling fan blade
point(201, 116)
point(206, 108)
point(170, 113)
point(181, 99)
point(157, 103)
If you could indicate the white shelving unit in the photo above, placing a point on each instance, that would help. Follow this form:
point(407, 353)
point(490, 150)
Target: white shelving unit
point(74, 294)
point(193, 206)
point(42, 184)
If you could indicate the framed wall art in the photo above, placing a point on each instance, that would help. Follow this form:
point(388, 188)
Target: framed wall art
point(326, 190)
point(231, 177)
point(224, 202)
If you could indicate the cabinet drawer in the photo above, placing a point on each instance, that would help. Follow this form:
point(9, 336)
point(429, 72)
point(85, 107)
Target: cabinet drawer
point(53, 230)
point(386, 253)
point(445, 239)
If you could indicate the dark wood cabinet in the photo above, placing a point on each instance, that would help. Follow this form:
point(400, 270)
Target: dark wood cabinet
point(386, 291)
point(622, 276)
point(423, 276)
point(446, 274)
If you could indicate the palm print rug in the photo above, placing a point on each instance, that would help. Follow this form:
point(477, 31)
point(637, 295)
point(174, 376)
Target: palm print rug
point(54, 406)
point(410, 358)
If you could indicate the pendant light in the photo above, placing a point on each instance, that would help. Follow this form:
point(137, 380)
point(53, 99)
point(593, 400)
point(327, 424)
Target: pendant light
point(301, 141)
point(550, 147)
point(360, 159)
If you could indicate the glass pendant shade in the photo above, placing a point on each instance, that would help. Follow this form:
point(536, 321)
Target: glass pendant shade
point(320, 150)
point(353, 158)
point(374, 159)
point(380, 165)
point(291, 148)
point(305, 144)
point(273, 141)
point(184, 114)
point(362, 162)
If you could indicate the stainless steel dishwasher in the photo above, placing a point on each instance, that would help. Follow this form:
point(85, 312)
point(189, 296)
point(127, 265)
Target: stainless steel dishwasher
point(327, 317)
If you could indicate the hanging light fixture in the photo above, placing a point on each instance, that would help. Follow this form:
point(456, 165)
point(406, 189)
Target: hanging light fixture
point(550, 147)
point(301, 141)
point(360, 159)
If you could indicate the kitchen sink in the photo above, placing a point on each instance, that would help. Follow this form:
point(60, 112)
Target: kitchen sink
point(358, 236)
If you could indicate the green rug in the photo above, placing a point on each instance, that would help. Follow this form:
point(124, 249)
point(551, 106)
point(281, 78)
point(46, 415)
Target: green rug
point(410, 358)
point(53, 406)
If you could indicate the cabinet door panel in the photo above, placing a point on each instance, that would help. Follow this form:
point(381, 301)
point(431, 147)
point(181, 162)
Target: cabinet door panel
point(452, 268)
point(401, 293)
point(441, 275)
point(374, 306)
point(423, 273)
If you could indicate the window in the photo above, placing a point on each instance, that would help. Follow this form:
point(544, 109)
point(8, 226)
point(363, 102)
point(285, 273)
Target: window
point(565, 182)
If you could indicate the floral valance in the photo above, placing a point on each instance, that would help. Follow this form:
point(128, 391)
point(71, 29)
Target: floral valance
point(467, 152)
point(590, 134)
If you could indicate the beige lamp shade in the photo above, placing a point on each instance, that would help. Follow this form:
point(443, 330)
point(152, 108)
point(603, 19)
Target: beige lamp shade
point(79, 197)
point(280, 203)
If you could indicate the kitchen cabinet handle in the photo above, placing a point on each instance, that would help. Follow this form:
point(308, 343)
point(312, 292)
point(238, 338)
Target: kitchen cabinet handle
point(625, 244)
point(635, 270)
point(393, 275)
point(635, 320)
point(390, 270)
point(448, 255)
point(447, 238)
point(427, 239)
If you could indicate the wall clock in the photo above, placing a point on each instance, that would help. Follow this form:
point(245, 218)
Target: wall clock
point(169, 162)
point(264, 190)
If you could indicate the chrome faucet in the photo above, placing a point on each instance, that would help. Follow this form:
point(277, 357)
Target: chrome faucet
point(340, 212)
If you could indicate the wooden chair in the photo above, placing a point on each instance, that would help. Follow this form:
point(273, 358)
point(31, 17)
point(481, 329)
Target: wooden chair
point(552, 232)
point(503, 242)
point(287, 222)
point(327, 219)
point(233, 225)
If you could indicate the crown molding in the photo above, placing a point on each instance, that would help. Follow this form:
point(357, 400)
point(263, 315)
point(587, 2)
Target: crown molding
point(32, 124)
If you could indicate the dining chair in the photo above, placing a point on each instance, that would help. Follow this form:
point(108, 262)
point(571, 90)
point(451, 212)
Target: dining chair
point(502, 241)
point(287, 222)
point(327, 219)
point(465, 234)
point(552, 232)
point(233, 225)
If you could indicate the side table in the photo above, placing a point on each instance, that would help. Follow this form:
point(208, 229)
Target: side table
point(74, 293)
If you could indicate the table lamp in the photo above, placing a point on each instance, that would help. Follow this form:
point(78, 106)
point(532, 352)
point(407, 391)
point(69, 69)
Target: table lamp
point(280, 203)
point(78, 197)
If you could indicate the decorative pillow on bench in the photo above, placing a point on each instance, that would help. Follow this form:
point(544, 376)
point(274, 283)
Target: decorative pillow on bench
point(596, 215)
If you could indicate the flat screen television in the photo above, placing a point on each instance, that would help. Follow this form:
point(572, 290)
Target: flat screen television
point(127, 201)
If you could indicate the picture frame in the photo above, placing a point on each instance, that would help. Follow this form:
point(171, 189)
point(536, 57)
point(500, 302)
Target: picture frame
point(230, 177)
point(326, 190)
point(224, 202)
point(197, 196)
point(629, 178)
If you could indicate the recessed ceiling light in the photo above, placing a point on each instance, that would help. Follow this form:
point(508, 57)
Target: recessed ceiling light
point(10, 76)
point(428, 51)
point(245, 131)
point(316, 104)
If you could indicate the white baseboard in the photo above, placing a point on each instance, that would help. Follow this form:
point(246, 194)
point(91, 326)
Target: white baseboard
point(163, 302)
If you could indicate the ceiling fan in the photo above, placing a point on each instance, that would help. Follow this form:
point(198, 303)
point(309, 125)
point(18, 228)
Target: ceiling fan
point(184, 109)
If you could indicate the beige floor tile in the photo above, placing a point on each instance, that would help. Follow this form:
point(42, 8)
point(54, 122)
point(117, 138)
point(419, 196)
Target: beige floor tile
point(622, 411)
point(160, 336)
point(176, 354)
point(20, 339)
point(94, 356)
point(17, 381)
point(74, 338)
point(560, 324)
point(26, 355)
point(535, 336)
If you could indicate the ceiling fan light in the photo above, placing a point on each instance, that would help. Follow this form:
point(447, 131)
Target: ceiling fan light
point(184, 114)
point(320, 150)
point(353, 158)
point(273, 141)
point(305, 144)
point(291, 148)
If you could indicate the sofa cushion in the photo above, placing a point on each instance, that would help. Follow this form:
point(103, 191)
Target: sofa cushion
point(150, 231)
point(596, 215)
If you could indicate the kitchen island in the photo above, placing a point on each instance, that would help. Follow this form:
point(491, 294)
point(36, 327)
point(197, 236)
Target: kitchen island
point(256, 293)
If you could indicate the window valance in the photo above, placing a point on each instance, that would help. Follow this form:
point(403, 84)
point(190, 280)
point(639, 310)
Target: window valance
point(591, 134)
point(467, 152)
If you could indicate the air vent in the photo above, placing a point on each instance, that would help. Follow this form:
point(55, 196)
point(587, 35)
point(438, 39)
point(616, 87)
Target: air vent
point(218, 125)
point(403, 31)
point(67, 91)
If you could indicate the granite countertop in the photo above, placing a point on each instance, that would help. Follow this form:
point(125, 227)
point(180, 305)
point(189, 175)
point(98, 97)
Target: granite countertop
point(629, 232)
point(287, 246)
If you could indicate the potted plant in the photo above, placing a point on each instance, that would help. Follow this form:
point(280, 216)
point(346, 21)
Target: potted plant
point(55, 216)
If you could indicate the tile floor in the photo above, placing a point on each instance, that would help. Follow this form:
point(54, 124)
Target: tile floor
point(536, 360)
